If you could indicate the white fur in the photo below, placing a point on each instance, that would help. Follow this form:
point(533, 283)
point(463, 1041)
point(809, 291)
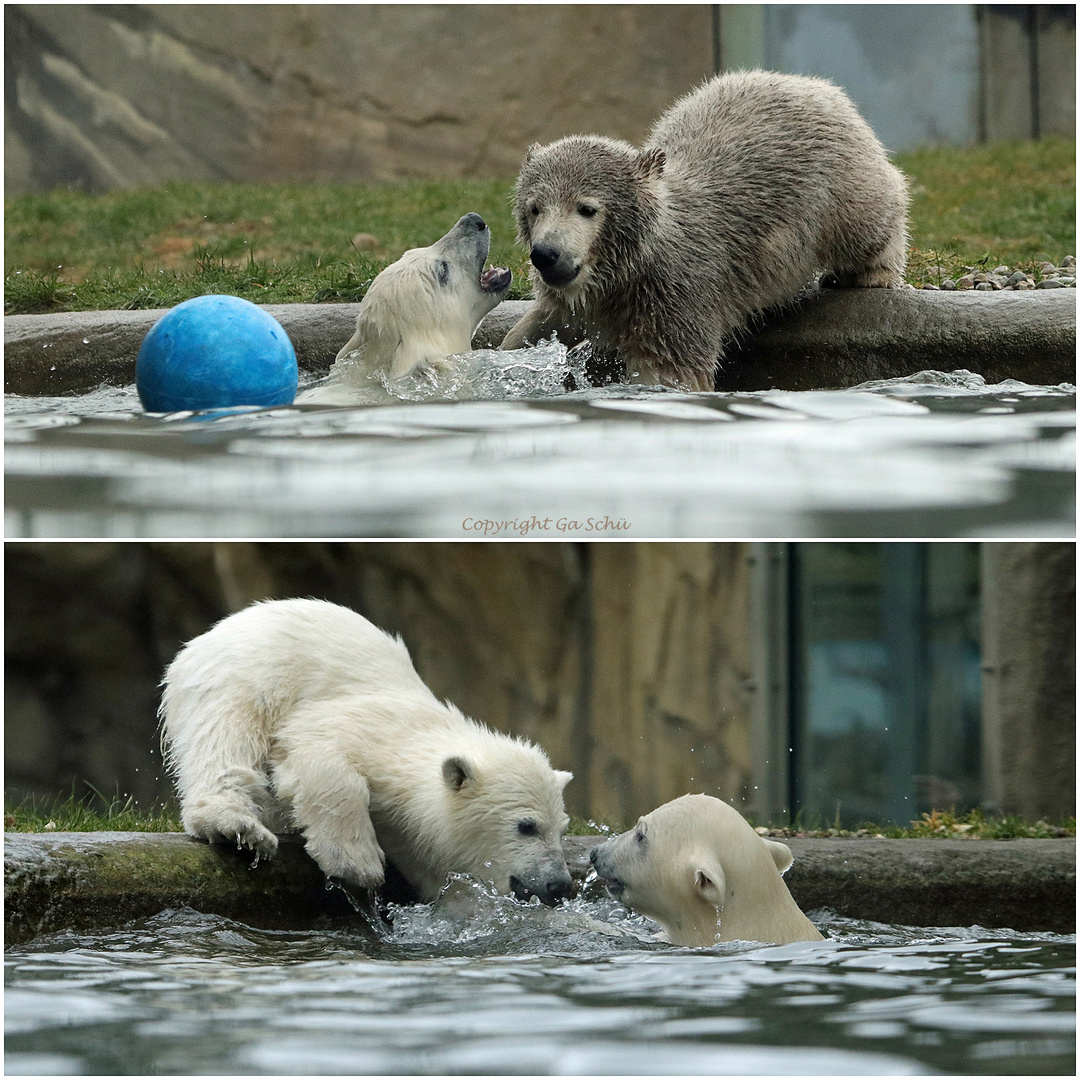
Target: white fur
point(697, 867)
point(417, 312)
point(300, 715)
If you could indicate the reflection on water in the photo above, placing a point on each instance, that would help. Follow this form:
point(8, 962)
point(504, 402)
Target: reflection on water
point(483, 984)
point(496, 450)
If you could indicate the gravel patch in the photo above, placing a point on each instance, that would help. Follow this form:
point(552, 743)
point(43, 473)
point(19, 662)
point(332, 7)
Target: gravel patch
point(1009, 279)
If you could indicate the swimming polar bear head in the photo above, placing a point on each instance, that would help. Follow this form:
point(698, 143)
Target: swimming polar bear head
point(697, 867)
point(426, 306)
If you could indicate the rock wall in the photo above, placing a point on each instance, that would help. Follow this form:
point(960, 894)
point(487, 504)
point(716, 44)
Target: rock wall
point(104, 96)
point(626, 662)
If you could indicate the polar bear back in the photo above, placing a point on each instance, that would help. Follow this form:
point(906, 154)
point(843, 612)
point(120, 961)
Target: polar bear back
point(312, 647)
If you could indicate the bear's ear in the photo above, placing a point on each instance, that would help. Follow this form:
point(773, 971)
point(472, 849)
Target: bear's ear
point(709, 882)
point(532, 150)
point(457, 772)
point(563, 778)
point(781, 854)
point(650, 164)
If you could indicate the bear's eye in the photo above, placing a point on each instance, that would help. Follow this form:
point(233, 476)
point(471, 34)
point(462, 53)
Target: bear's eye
point(442, 272)
point(534, 210)
point(527, 827)
point(585, 210)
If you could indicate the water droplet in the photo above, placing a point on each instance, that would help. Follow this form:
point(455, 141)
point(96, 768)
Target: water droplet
point(86, 341)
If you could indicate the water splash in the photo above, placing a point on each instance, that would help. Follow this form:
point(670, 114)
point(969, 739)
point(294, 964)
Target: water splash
point(548, 369)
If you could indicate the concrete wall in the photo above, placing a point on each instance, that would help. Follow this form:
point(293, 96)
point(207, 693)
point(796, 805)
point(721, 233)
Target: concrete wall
point(1029, 678)
point(111, 96)
point(105, 96)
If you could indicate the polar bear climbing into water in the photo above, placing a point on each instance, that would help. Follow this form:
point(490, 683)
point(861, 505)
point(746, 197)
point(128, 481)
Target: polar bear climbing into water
point(419, 310)
point(301, 716)
point(697, 867)
point(745, 191)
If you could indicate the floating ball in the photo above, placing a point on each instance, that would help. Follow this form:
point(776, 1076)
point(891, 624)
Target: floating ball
point(215, 352)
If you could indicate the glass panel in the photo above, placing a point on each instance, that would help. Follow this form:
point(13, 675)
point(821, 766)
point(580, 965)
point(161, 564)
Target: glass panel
point(885, 681)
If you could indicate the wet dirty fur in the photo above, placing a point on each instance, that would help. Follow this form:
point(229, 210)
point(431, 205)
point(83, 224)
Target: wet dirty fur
point(746, 190)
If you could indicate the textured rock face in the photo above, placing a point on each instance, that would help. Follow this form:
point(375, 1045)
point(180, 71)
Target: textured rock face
point(618, 659)
point(118, 96)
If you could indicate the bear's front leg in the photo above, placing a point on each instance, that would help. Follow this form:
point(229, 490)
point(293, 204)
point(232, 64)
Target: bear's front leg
point(646, 370)
point(331, 805)
point(542, 320)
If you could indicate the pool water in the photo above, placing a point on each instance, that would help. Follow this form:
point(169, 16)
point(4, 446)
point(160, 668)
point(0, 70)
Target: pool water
point(499, 447)
point(482, 984)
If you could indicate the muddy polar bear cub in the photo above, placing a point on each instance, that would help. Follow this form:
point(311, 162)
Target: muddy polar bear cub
point(417, 312)
point(697, 867)
point(745, 190)
point(300, 715)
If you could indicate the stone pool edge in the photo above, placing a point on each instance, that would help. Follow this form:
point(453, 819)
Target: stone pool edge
point(833, 338)
point(94, 881)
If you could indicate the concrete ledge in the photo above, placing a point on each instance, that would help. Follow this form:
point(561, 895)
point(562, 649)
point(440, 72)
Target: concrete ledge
point(834, 338)
point(87, 881)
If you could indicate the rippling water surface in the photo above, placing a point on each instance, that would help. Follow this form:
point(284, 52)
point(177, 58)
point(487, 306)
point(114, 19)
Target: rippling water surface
point(498, 447)
point(478, 983)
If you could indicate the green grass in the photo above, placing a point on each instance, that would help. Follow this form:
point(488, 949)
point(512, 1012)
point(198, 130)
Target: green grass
point(1011, 203)
point(269, 243)
point(974, 825)
point(938, 823)
point(290, 243)
point(93, 813)
point(97, 814)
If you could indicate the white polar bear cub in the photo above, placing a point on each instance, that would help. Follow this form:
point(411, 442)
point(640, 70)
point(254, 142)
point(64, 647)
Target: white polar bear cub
point(418, 311)
point(697, 867)
point(300, 715)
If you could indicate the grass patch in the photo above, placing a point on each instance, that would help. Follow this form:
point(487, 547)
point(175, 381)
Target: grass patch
point(89, 813)
point(974, 825)
point(1011, 203)
point(268, 243)
point(95, 813)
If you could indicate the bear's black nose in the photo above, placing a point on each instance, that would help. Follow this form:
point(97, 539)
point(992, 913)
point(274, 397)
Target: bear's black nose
point(556, 890)
point(543, 257)
point(476, 221)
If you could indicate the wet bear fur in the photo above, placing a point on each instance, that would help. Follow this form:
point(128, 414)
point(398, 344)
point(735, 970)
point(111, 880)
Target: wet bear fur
point(302, 716)
point(746, 190)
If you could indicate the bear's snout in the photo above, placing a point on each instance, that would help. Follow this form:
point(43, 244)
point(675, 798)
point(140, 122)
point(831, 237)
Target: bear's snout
point(474, 221)
point(549, 892)
point(556, 269)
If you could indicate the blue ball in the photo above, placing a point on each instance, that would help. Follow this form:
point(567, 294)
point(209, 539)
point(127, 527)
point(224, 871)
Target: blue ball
point(215, 352)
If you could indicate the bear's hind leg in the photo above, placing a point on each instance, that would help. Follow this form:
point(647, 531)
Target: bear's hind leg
point(330, 803)
point(883, 269)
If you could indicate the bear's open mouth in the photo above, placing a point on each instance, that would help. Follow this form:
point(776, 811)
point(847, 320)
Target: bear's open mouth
point(495, 279)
